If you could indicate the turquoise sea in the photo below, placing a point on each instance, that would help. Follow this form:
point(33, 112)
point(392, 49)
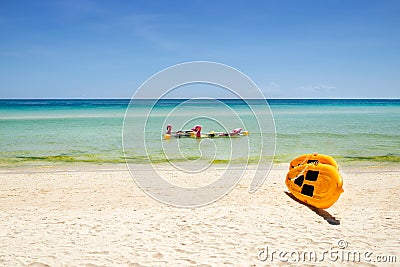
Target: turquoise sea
point(59, 131)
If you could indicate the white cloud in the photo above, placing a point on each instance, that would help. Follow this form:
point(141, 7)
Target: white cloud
point(276, 90)
point(273, 89)
point(315, 90)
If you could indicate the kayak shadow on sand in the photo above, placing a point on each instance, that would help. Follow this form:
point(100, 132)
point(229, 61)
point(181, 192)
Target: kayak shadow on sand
point(323, 213)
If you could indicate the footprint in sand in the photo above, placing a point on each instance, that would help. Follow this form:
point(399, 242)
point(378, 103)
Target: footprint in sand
point(158, 255)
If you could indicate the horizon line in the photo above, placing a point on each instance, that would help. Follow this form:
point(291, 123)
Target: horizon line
point(222, 98)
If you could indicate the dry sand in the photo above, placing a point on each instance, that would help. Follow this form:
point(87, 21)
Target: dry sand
point(97, 216)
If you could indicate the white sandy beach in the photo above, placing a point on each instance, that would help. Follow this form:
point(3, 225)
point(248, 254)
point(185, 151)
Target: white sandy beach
point(88, 215)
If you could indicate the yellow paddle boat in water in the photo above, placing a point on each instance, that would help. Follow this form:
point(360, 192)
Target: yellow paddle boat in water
point(314, 179)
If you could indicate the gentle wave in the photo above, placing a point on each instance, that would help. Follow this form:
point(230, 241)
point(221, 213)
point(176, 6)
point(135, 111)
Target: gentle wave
point(382, 158)
point(338, 135)
point(96, 159)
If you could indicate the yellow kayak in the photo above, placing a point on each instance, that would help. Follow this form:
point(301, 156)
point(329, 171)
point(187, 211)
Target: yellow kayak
point(313, 158)
point(315, 183)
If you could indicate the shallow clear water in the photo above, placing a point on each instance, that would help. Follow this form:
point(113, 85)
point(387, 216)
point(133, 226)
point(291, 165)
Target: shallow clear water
point(91, 130)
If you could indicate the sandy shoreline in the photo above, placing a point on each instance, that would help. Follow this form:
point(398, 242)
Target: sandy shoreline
point(97, 216)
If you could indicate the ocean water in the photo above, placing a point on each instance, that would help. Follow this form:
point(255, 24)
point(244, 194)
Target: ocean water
point(59, 131)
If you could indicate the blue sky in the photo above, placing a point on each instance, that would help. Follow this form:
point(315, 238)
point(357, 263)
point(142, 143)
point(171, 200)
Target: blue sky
point(291, 49)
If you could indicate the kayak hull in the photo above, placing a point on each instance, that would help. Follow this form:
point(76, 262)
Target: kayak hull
point(315, 184)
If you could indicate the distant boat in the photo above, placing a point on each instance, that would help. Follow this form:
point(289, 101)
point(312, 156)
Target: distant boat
point(196, 132)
